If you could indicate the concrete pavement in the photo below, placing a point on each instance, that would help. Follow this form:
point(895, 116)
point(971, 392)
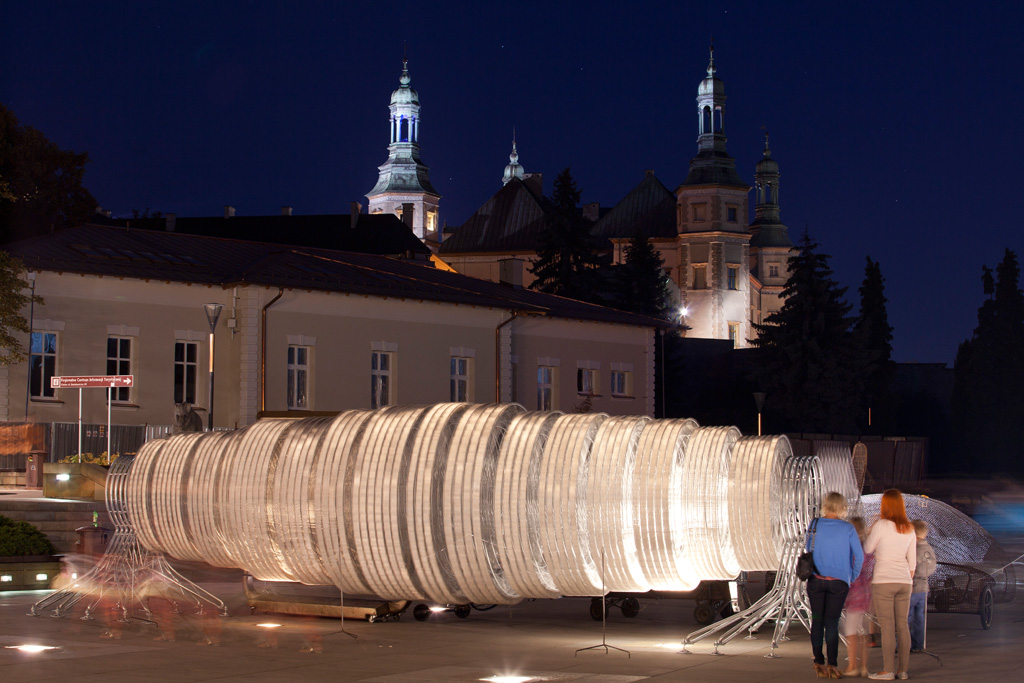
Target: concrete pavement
point(535, 640)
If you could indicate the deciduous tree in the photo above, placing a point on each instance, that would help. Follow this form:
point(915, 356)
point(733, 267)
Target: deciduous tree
point(12, 300)
point(40, 184)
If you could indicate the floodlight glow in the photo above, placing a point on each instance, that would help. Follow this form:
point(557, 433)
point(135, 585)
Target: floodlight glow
point(31, 648)
point(435, 608)
point(269, 625)
point(63, 476)
point(6, 578)
point(510, 679)
point(40, 577)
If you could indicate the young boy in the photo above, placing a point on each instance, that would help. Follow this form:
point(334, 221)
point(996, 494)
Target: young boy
point(919, 595)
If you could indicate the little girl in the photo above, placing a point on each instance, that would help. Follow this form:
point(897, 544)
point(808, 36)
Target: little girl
point(858, 602)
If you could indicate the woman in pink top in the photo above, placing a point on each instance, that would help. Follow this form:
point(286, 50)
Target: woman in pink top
point(894, 544)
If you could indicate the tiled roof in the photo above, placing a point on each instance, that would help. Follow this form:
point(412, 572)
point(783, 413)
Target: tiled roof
point(510, 221)
point(649, 208)
point(383, 234)
point(177, 257)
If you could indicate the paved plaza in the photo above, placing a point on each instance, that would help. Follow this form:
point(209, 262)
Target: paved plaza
point(537, 641)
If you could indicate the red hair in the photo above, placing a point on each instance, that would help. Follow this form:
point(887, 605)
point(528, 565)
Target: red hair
point(894, 510)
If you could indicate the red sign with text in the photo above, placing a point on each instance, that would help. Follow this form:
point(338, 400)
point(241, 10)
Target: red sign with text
point(90, 381)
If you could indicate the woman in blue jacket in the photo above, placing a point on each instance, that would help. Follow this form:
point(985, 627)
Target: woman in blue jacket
point(838, 557)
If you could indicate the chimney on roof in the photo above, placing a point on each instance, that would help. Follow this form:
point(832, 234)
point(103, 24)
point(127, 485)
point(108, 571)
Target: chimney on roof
point(355, 208)
point(592, 211)
point(510, 272)
point(171, 220)
point(286, 211)
point(229, 211)
point(407, 213)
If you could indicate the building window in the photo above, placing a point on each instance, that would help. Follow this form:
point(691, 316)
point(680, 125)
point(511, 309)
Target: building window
point(731, 211)
point(733, 277)
point(700, 277)
point(459, 380)
point(298, 377)
point(620, 383)
point(773, 270)
point(119, 362)
point(380, 379)
point(545, 387)
point(734, 334)
point(186, 369)
point(700, 212)
point(586, 381)
point(42, 363)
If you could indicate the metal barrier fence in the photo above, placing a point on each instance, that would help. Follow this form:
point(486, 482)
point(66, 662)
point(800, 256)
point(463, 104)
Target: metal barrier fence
point(124, 439)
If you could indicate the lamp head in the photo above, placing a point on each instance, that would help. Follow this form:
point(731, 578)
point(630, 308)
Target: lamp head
point(212, 314)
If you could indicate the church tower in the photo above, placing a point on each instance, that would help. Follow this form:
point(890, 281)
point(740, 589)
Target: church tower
point(770, 246)
point(711, 219)
point(403, 187)
point(513, 170)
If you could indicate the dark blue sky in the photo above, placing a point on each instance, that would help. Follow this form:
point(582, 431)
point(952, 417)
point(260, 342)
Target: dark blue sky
point(896, 125)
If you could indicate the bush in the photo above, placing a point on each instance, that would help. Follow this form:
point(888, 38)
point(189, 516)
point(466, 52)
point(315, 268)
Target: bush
point(100, 459)
point(21, 538)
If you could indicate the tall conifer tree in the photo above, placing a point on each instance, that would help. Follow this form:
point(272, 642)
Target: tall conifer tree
point(988, 393)
point(811, 368)
point(641, 281)
point(566, 262)
point(874, 335)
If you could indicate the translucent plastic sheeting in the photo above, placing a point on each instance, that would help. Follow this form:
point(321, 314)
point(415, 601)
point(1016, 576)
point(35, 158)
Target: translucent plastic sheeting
point(755, 500)
point(954, 536)
point(462, 503)
point(836, 459)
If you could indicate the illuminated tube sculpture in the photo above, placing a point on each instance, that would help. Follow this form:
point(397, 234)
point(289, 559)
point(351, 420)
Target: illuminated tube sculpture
point(461, 503)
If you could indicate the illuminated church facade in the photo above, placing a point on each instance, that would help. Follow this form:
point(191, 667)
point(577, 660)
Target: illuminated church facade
point(727, 271)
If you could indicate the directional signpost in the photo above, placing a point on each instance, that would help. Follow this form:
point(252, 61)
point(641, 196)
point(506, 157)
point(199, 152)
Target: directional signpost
point(92, 382)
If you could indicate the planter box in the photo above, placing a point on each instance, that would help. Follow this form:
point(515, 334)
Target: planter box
point(74, 481)
point(32, 572)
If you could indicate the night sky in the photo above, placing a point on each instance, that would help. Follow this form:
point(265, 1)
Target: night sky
point(896, 125)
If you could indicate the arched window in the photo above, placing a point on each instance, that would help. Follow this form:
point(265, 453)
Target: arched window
point(404, 130)
point(719, 125)
point(705, 123)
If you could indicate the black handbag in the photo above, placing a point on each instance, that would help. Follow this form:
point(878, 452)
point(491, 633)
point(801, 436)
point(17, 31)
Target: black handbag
point(805, 563)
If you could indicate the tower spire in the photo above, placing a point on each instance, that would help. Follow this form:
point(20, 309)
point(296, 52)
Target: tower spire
point(403, 187)
point(513, 170)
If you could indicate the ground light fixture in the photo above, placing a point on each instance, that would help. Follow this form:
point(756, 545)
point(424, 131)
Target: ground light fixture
point(510, 679)
point(31, 649)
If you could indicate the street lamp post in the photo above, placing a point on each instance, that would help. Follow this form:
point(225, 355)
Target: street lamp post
point(212, 314)
point(759, 400)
